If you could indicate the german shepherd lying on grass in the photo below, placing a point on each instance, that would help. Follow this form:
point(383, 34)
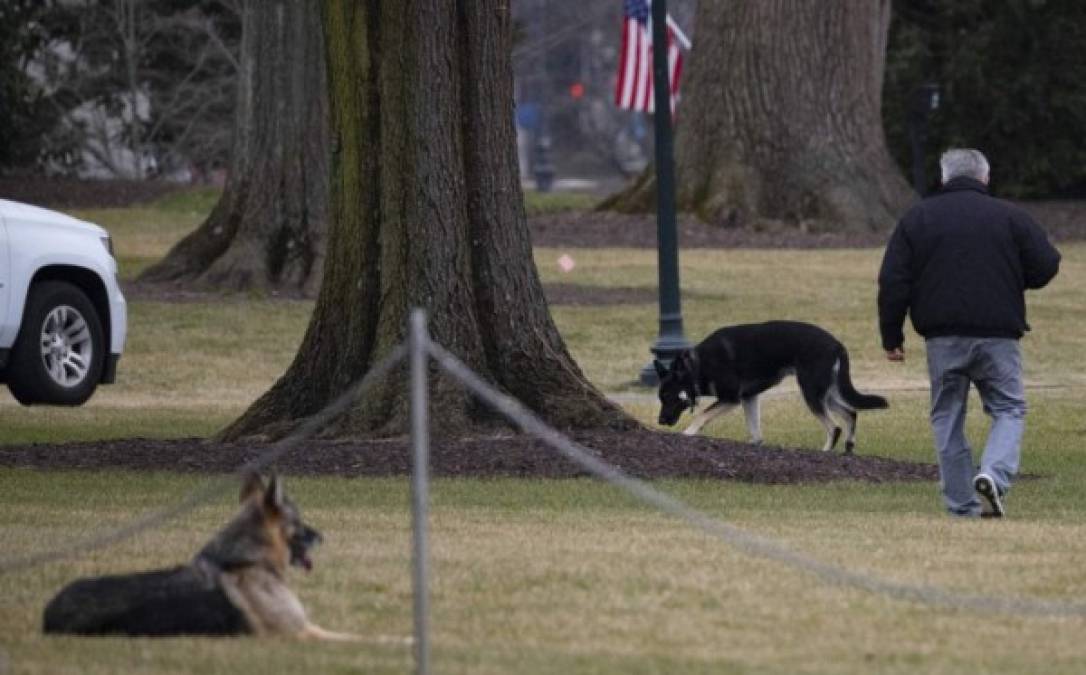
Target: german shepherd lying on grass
point(737, 363)
point(236, 585)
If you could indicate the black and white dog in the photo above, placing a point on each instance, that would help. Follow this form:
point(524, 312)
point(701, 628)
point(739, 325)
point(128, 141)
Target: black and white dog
point(737, 363)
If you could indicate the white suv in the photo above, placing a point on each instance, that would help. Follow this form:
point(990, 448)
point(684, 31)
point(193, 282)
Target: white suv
point(63, 317)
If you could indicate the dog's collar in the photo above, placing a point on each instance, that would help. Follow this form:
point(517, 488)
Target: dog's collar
point(695, 376)
point(210, 569)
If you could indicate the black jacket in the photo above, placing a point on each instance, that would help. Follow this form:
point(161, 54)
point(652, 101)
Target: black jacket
point(958, 264)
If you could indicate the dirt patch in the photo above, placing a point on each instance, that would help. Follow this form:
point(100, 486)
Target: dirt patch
point(642, 453)
point(147, 292)
point(557, 294)
point(70, 193)
point(1063, 220)
point(590, 229)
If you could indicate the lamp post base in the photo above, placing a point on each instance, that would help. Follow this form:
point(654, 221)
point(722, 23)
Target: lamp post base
point(665, 350)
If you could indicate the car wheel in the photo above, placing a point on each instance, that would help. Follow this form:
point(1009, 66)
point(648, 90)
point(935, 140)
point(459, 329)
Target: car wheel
point(60, 351)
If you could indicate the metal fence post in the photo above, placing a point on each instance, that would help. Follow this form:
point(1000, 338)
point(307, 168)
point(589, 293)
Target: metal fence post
point(420, 442)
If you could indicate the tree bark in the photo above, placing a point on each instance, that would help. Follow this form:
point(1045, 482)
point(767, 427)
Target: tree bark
point(427, 211)
point(268, 230)
point(780, 123)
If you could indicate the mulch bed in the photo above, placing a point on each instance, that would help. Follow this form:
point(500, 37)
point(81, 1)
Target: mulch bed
point(71, 193)
point(642, 453)
point(1063, 220)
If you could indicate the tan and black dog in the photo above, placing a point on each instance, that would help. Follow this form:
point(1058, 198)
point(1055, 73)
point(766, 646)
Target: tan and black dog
point(236, 585)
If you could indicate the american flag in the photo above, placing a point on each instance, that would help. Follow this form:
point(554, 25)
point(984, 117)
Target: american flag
point(633, 90)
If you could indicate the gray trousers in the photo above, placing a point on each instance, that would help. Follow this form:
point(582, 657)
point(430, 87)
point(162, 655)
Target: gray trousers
point(994, 365)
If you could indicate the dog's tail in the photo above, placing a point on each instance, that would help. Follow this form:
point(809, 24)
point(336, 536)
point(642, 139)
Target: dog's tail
point(848, 392)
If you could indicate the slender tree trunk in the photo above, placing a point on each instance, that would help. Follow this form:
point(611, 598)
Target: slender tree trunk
point(268, 230)
point(781, 118)
point(427, 211)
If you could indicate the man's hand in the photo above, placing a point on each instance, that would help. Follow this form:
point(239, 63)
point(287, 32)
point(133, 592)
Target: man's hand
point(895, 354)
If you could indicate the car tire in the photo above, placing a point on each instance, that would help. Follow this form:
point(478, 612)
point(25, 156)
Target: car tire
point(60, 351)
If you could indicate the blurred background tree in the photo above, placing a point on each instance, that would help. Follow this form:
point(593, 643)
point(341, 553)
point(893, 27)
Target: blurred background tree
point(267, 232)
point(1012, 83)
point(781, 125)
point(118, 88)
point(26, 112)
point(162, 77)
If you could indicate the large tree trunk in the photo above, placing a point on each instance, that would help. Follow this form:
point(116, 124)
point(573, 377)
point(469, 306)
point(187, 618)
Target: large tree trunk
point(781, 118)
point(268, 230)
point(427, 211)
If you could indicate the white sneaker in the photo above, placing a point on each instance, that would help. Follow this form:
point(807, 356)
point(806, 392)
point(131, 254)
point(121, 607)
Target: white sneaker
point(986, 487)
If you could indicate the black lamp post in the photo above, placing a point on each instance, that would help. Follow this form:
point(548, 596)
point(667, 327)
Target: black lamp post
point(540, 157)
point(670, 340)
point(542, 167)
point(923, 101)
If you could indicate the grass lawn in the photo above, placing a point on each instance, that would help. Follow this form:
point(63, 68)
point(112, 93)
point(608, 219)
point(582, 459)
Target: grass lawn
point(572, 576)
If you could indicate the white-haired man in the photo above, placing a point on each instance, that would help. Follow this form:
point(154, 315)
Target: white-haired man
point(958, 264)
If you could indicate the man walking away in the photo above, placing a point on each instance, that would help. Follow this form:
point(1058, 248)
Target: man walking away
point(959, 263)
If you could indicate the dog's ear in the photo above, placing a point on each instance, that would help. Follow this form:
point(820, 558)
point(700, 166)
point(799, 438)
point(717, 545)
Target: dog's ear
point(661, 369)
point(273, 495)
point(251, 484)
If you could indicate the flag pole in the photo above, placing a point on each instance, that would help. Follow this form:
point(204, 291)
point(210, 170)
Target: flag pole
point(671, 339)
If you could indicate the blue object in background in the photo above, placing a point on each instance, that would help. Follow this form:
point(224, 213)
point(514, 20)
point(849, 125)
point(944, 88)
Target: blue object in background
point(528, 116)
